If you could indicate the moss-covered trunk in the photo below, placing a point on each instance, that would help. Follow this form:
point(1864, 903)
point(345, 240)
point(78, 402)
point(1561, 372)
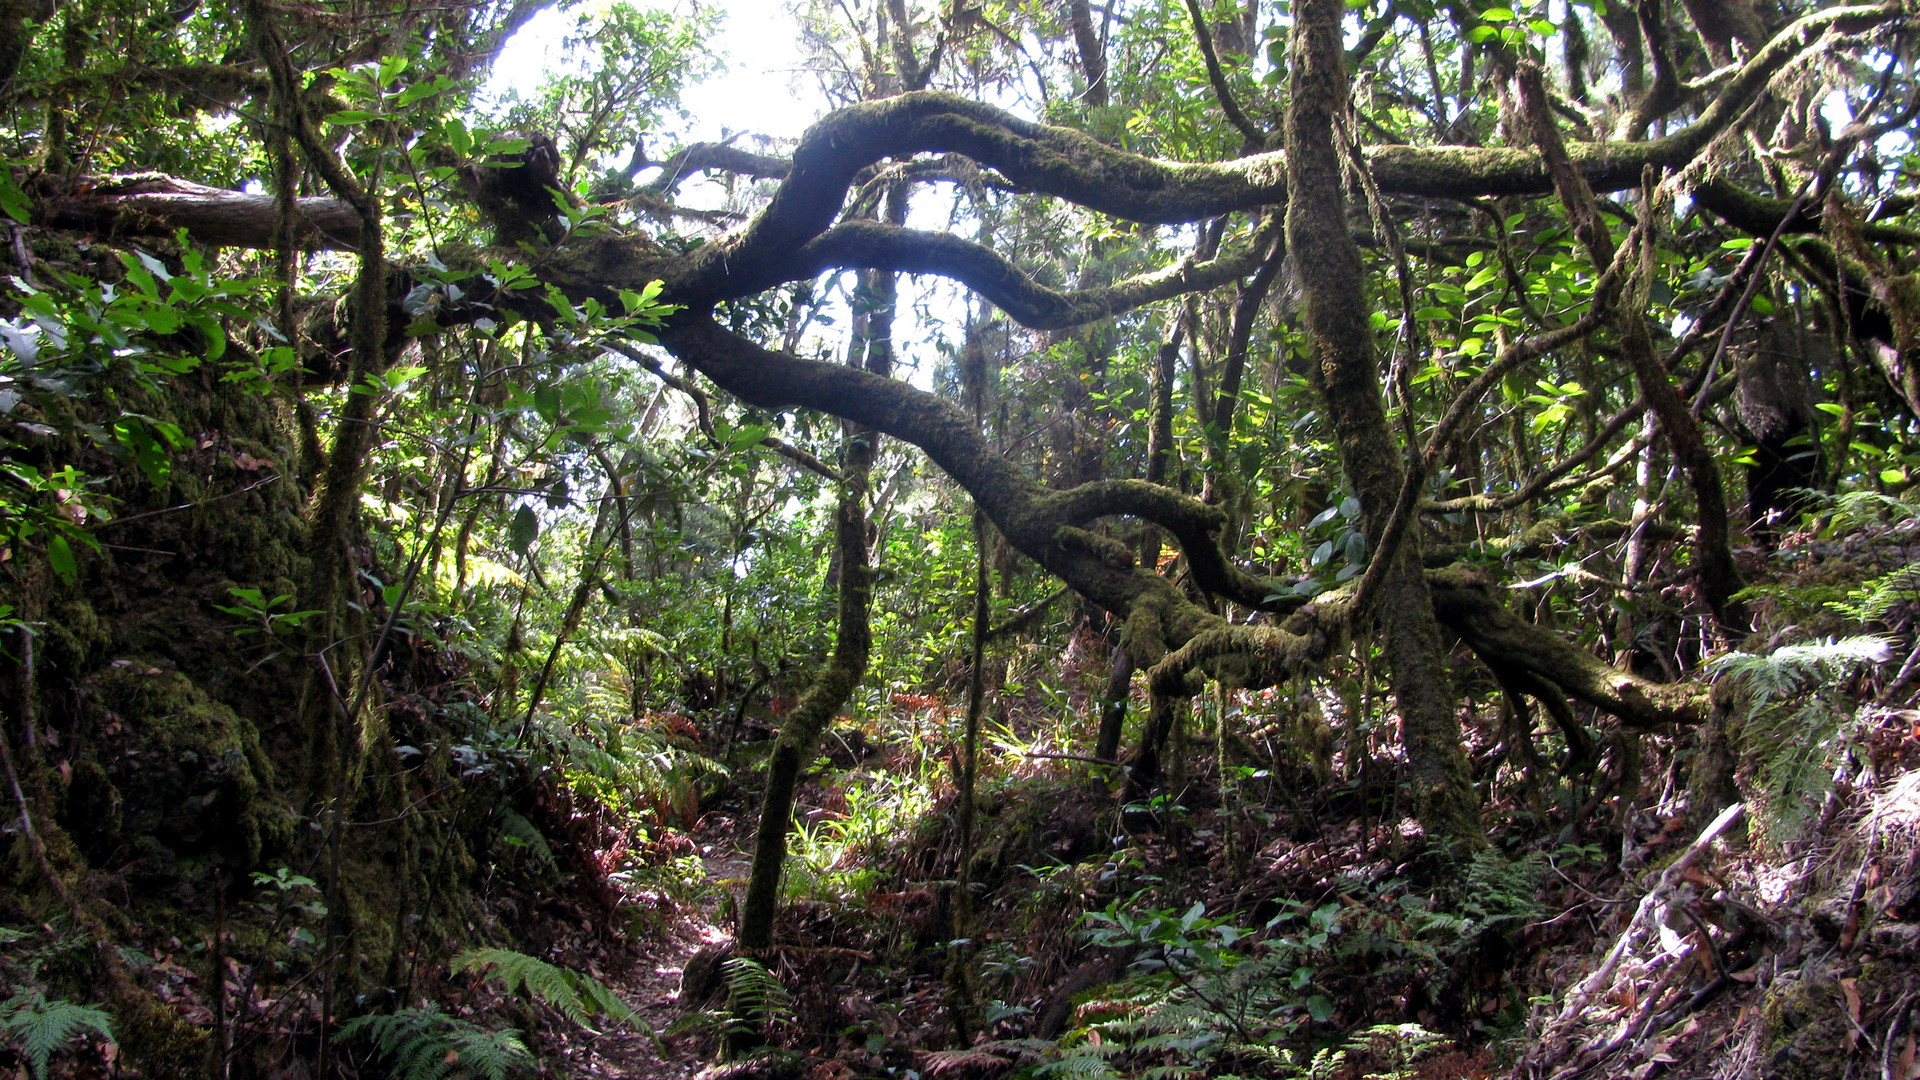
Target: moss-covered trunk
point(1347, 378)
point(817, 707)
point(853, 636)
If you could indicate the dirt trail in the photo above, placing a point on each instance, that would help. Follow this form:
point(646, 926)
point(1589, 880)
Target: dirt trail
point(652, 987)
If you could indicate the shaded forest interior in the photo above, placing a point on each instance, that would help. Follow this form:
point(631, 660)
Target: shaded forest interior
point(1156, 539)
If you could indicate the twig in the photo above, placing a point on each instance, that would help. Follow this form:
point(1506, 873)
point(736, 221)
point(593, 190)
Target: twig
point(1899, 1014)
point(703, 414)
point(36, 846)
point(1217, 76)
point(262, 482)
point(1554, 1042)
point(1021, 619)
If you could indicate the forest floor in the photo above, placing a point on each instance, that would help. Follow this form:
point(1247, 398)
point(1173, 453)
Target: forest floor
point(653, 983)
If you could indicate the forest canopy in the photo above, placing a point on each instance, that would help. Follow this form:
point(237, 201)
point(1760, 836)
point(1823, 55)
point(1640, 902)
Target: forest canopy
point(427, 497)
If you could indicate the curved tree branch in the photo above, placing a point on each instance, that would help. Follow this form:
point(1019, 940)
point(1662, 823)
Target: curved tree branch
point(716, 157)
point(884, 247)
point(1035, 157)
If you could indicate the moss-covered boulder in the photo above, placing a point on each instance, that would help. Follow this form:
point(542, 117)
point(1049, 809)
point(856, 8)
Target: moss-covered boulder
point(170, 777)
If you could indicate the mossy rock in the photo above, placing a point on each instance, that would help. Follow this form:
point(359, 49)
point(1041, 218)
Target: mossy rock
point(71, 637)
point(1804, 1030)
point(192, 766)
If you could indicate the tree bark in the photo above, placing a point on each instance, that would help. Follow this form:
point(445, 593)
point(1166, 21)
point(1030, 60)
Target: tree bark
point(1347, 378)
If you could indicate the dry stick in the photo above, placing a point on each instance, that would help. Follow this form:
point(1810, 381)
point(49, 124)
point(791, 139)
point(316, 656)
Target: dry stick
point(1406, 344)
point(1900, 1010)
point(35, 845)
point(27, 720)
point(1592, 984)
point(1240, 337)
point(1755, 258)
point(582, 594)
point(264, 481)
point(970, 767)
point(1814, 188)
point(1542, 484)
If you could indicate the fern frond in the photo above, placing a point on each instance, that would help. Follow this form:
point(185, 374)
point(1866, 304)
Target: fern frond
point(1078, 1067)
point(1876, 599)
point(1797, 746)
point(755, 996)
point(576, 995)
point(427, 1044)
point(941, 1063)
point(37, 1027)
point(521, 833)
point(1792, 668)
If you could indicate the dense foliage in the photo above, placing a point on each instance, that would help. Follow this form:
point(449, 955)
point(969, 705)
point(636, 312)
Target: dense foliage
point(1213, 518)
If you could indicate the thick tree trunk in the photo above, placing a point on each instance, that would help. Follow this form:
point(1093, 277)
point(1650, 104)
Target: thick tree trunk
point(1348, 380)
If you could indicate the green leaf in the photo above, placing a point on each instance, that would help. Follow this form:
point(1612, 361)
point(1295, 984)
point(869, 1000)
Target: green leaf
point(350, 117)
point(422, 90)
point(391, 67)
point(60, 557)
point(458, 137)
point(13, 200)
point(1320, 1008)
point(398, 377)
point(523, 529)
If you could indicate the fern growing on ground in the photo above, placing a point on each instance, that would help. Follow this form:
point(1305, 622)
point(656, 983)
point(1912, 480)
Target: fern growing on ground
point(577, 996)
point(1394, 1047)
point(756, 1000)
point(427, 1044)
point(37, 1027)
point(1799, 722)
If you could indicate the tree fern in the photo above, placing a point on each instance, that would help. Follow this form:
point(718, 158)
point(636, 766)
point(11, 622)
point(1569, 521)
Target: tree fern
point(577, 996)
point(37, 1027)
point(427, 1044)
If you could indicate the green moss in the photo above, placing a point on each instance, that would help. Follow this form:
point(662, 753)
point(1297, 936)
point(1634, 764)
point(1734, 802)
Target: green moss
point(1803, 1030)
point(196, 765)
point(165, 1044)
point(72, 637)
